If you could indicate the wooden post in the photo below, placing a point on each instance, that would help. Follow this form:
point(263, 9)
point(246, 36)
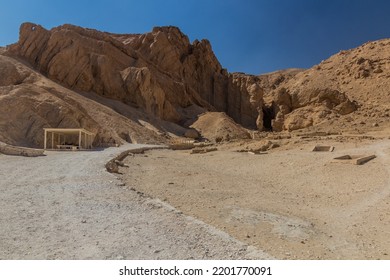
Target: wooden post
point(79, 139)
point(52, 140)
point(44, 140)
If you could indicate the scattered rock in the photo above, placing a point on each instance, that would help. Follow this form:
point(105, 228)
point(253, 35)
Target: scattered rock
point(191, 133)
point(121, 163)
point(203, 150)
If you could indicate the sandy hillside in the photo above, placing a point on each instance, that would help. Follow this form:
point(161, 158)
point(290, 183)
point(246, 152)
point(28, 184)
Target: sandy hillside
point(217, 127)
point(30, 102)
point(359, 74)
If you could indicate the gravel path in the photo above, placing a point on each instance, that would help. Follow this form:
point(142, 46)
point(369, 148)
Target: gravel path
point(66, 206)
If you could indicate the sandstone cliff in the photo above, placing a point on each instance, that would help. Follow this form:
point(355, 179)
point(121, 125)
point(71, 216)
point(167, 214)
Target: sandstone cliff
point(149, 87)
point(348, 91)
point(30, 102)
point(160, 72)
point(157, 83)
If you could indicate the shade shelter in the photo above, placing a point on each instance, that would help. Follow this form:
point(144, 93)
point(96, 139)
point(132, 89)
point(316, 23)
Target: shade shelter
point(68, 139)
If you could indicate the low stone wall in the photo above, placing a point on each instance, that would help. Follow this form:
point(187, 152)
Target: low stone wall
point(20, 151)
point(113, 165)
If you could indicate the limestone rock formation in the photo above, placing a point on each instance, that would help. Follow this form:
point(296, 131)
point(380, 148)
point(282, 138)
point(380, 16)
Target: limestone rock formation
point(345, 90)
point(292, 104)
point(30, 102)
point(249, 103)
point(192, 133)
point(149, 87)
point(160, 72)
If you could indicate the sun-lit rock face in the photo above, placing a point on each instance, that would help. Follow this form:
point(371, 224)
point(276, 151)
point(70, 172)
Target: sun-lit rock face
point(160, 72)
point(161, 75)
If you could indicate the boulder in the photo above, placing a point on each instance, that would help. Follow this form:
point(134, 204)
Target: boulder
point(191, 133)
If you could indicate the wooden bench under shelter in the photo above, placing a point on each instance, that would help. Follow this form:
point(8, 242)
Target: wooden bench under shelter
point(68, 139)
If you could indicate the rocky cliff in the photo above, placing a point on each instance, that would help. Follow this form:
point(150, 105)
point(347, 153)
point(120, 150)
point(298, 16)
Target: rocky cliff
point(348, 90)
point(158, 83)
point(160, 72)
point(135, 88)
point(30, 102)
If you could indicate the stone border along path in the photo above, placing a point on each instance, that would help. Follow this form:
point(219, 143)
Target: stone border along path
point(67, 206)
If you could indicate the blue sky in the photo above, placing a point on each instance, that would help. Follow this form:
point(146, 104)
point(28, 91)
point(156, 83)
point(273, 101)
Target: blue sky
point(252, 36)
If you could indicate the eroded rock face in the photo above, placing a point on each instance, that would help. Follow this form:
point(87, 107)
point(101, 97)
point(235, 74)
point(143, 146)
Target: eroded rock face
point(165, 76)
point(160, 72)
point(247, 103)
point(9, 74)
point(301, 109)
point(30, 102)
point(296, 102)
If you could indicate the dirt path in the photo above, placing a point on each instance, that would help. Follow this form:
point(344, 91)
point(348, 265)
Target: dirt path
point(66, 206)
point(293, 203)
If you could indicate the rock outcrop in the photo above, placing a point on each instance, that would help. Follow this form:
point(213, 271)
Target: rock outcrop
point(149, 87)
point(350, 89)
point(160, 72)
point(157, 81)
point(30, 102)
point(293, 104)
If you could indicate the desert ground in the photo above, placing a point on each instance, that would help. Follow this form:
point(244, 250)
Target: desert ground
point(286, 203)
point(67, 206)
point(260, 192)
point(290, 202)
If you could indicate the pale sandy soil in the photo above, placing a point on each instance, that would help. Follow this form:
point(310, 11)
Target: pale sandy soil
point(67, 206)
point(293, 203)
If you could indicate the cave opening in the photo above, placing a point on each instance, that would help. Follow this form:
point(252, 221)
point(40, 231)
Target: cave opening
point(268, 116)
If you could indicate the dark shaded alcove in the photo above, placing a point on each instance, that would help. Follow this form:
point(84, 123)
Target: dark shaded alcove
point(268, 116)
